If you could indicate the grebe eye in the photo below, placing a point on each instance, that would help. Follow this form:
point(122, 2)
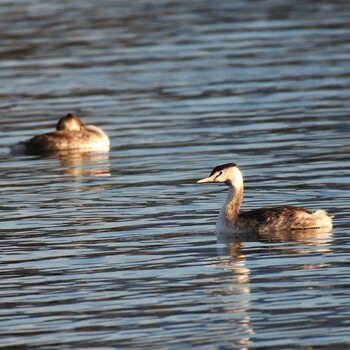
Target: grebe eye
point(220, 173)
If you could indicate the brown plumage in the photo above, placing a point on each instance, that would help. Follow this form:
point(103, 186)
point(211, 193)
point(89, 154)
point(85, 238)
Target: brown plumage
point(71, 134)
point(263, 219)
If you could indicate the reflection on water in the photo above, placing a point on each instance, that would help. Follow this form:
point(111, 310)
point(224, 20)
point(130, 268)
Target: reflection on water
point(311, 235)
point(234, 258)
point(118, 249)
point(84, 163)
point(79, 163)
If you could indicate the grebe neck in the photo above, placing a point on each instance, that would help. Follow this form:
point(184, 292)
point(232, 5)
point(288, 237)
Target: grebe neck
point(233, 201)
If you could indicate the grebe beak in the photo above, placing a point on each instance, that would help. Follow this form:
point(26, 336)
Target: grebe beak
point(207, 179)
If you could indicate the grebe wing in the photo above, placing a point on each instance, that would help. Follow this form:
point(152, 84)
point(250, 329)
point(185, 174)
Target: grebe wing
point(37, 144)
point(54, 141)
point(273, 213)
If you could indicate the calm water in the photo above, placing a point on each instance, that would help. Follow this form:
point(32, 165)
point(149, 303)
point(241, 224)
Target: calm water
point(118, 250)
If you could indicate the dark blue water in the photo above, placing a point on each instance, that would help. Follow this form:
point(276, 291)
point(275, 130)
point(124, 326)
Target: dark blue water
point(118, 250)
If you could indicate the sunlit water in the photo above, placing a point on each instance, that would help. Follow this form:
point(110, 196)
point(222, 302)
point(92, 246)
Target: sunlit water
point(119, 250)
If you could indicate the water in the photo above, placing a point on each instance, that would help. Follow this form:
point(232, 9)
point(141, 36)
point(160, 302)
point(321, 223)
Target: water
point(119, 250)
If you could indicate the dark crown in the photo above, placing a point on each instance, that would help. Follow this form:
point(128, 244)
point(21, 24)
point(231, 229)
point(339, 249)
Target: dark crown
point(222, 167)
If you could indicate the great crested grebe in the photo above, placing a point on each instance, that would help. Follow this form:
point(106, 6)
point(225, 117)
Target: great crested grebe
point(269, 219)
point(71, 134)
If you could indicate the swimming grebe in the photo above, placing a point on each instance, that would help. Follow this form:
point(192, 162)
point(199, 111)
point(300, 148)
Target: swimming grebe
point(71, 134)
point(259, 220)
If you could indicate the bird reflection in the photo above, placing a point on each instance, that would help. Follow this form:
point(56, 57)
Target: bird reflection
point(233, 257)
point(320, 234)
point(306, 241)
point(84, 163)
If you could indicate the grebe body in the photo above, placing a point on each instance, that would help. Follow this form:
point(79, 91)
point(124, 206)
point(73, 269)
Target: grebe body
point(267, 219)
point(71, 134)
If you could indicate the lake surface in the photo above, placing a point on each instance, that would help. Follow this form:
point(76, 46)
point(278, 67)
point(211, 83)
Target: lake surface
point(118, 250)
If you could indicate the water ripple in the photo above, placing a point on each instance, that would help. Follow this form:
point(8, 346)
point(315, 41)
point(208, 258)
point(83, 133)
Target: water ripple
point(119, 249)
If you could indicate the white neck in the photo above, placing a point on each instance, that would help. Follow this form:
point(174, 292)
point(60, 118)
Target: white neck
point(230, 209)
point(233, 201)
point(235, 179)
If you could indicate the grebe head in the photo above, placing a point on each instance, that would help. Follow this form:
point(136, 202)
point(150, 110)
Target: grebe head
point(70, 122)
point(227, 173)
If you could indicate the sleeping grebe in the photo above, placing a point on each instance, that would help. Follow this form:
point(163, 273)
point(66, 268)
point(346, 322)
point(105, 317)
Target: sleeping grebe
point(259, 220)
point(71, 134)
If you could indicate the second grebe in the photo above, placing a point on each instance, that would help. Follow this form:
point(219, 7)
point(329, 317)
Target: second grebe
point(259, 220)
point(71, 134)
